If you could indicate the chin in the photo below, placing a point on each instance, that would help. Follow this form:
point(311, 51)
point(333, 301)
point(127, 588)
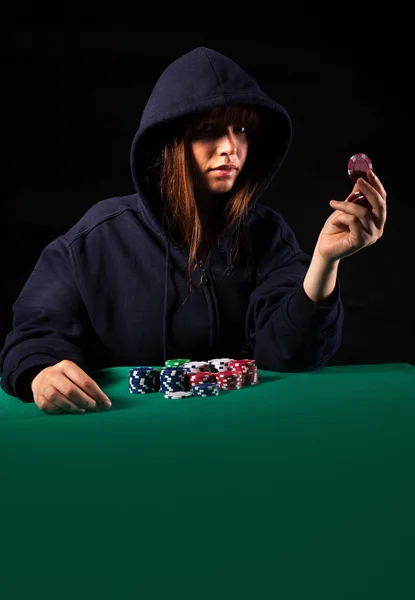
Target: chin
point(222, 189)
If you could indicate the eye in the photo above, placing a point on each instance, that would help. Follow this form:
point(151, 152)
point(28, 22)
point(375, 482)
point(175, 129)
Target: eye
point(206, 127)
point(211, 128)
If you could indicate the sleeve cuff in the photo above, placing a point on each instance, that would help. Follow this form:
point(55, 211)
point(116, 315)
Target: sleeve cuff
point(19, 380)
point(306, 314)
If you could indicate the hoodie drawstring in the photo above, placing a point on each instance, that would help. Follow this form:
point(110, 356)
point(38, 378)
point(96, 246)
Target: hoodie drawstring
point(166, 294)
point(213, 305)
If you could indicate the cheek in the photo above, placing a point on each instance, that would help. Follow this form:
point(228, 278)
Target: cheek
point(243, 153)
point(198, 155)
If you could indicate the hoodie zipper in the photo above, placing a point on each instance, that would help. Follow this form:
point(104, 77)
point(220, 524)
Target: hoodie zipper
point(211, 303)
point(203, 277)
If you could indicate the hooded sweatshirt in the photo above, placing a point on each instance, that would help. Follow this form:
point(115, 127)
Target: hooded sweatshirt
point(113, 290)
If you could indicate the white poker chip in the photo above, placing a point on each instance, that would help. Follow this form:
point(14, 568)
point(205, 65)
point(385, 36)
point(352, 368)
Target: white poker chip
point(175, 395)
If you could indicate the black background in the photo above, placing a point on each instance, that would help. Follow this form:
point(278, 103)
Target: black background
point(75, 94)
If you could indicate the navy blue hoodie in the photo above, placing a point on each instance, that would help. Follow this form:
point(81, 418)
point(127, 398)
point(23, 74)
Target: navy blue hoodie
point(113, 291)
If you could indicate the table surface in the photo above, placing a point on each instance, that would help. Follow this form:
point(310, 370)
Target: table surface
point(302, 486)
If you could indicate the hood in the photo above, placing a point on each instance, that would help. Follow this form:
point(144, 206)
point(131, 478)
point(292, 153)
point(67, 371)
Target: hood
point(198, 81)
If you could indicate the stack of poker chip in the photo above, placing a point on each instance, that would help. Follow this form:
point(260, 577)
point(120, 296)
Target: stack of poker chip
point(199, 372)
point(202, 381)
point(219, 364)
point(182, 378)
point(247, 368)
point(144, 380)
point(202, 377)
point(174, 380)
point(229, 380)
point(197, 366)
point(206, 389)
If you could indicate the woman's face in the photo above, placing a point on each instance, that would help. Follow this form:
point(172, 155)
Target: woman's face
point(219, 149)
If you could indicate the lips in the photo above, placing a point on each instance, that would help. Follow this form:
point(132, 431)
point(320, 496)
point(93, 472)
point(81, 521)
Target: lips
point(225, 172)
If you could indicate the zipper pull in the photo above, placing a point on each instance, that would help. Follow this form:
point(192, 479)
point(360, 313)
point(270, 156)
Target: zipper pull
point(203, 278)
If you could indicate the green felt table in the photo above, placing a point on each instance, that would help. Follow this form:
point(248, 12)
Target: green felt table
point(302, 486)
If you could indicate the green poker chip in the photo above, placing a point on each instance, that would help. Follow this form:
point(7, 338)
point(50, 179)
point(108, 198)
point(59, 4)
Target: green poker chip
point(176, 362)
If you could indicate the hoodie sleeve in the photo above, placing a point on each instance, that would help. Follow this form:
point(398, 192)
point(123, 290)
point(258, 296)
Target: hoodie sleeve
point(287, 330)
point(49, 320)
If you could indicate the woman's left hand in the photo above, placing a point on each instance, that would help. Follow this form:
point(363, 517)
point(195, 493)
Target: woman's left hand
point(352, 227)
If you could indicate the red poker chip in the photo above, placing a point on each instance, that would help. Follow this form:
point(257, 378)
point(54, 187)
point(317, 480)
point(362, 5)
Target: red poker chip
point(358, 166)
point(359, 198)
point(202, 377)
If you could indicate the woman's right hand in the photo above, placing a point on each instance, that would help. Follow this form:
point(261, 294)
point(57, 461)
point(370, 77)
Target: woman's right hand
point(66, 388)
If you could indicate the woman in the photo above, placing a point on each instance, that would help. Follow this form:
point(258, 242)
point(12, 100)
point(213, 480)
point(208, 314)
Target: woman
point(191, 264)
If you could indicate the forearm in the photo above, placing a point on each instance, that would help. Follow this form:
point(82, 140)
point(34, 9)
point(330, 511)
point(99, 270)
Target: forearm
point(299, 334)
point(320, 280)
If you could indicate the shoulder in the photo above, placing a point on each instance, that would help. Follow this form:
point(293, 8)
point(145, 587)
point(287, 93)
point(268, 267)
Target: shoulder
point(267, 227)
point(108, 212)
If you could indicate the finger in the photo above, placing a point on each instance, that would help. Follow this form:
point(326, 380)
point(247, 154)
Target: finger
point(358, 214)
point(358, 236)
point(61, 391)
point(372, 184)
point(54, 403)
point(372, 179)
point(50, 409)
point(376, 194)
point(376, 183)
point(88, 388)
point(370, 193)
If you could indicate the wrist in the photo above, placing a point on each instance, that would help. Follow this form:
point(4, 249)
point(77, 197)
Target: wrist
point(320, 280)
point(324, 264)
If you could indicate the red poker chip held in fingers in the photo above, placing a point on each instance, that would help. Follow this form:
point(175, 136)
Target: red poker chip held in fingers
point(358, 166)
point(359, 198)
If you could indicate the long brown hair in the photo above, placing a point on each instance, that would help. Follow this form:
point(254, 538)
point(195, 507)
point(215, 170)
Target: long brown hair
point(177, 183)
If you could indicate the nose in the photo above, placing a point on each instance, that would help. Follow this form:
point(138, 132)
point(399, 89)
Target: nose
point(227, 144)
